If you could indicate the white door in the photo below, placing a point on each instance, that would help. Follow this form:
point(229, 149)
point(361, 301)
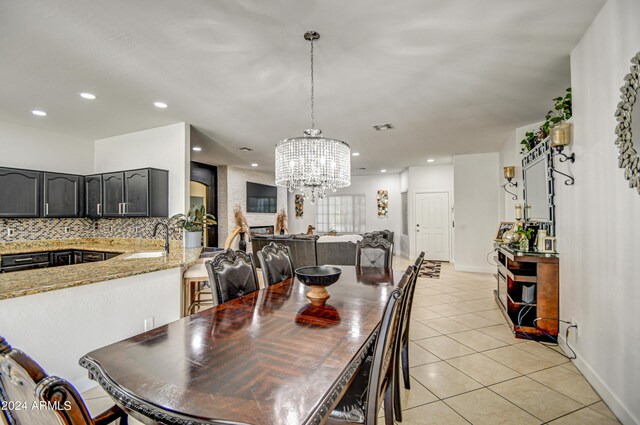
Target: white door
point(432, 225)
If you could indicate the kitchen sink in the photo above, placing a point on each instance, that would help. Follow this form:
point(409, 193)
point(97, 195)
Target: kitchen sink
point(148, 254)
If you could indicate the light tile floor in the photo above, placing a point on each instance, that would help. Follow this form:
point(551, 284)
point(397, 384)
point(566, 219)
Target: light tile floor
point(467, 367)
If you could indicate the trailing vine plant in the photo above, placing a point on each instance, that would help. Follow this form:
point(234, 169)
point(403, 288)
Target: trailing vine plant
point(562, 111)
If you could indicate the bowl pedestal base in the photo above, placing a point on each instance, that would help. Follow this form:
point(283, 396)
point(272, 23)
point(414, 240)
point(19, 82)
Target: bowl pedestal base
point(317, 295)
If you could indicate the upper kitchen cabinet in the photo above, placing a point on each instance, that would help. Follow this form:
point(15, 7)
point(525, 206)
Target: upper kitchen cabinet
point(93, 196)
point(136, 193)
point(62, 195)
point(19, 193)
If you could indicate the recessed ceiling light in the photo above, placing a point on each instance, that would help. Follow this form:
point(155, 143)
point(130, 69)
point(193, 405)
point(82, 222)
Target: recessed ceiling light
point(383, 171)
point(197, 148)
point(254, 165)
point(383, 127)
point(430, 160)
point(245, 149)
point(160, 105)
point(355, 154)
point(39, 113)
point(88, 96)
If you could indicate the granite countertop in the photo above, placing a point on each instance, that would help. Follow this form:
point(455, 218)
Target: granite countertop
point(29, 282)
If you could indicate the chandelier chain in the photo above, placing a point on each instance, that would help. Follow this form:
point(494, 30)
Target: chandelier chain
point(312, 89)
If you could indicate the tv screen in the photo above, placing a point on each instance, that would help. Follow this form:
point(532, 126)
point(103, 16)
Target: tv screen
point(261, 198)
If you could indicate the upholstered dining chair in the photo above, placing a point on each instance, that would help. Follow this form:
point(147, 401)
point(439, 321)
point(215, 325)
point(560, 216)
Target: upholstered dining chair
point(374, 380)
point(374, 252)
point(24, 382)
point(232, 274)
point(275, 263)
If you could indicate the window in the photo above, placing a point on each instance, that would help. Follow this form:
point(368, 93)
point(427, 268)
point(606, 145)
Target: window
point(405, 214)
point(342, 213)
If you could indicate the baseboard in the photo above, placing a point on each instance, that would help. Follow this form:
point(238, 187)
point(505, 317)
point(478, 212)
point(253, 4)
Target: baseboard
point(612, 401)
point(475, 269)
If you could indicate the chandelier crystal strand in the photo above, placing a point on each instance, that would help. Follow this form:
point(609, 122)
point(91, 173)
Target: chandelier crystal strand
point(312, 163)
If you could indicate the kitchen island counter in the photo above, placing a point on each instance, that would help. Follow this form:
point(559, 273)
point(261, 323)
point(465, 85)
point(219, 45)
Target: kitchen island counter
point(29, 282)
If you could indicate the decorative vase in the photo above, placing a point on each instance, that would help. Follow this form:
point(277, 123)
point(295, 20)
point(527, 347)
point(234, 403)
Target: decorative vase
point(281, 232)
point(524, 243)
point(192, 239)
point(242, 245)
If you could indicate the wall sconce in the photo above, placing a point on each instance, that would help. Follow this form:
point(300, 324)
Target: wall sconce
point(560, 137)
point(509, 174)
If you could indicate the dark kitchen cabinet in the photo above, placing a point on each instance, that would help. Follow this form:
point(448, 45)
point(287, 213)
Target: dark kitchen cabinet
point(93, 196)
point(61, 258)
point(19, 193)
point(113, 194)
point(136, 193)
point(62, 195)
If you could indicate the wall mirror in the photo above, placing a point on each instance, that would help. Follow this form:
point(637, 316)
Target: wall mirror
point(628, 118)
point(538, 183)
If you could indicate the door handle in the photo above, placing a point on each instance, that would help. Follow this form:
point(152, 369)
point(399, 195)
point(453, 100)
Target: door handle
point(99, 209)
point(46, 208)
point(124, 208)
point(120, 208)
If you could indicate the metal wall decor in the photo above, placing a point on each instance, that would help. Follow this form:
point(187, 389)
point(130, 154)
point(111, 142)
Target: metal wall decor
point(299, 203)
point(628, 157)
point(383, 203)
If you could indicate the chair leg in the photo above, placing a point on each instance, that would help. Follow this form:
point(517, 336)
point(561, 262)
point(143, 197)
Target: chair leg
point(397, 401)
point(388, 404)
point(405, 365)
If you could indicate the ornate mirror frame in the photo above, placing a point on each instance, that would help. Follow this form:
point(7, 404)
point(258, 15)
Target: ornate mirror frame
point(628, 158)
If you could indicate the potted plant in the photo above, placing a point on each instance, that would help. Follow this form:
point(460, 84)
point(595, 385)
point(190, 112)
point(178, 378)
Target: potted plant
point(193, 223)
point(525, 236)
point(562, 111)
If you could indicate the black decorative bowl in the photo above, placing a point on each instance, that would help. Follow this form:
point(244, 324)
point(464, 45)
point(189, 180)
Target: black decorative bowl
point(318, 275)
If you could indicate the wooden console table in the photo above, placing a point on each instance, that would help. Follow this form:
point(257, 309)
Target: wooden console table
point(535, 318)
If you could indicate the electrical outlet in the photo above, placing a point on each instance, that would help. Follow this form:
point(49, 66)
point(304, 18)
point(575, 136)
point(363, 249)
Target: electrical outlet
point(10, 232)
point(148, 323)
point(576, 330)
point(67, 229)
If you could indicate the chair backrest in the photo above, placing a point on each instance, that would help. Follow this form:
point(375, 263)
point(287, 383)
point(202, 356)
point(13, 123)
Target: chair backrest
point(411, 275)
point(275, 263)
point(39, 399)
point(374, 252)
point(232, 274)
point(384, 362)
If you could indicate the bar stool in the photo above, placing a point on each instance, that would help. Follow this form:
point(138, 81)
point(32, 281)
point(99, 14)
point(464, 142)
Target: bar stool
point(195, 284)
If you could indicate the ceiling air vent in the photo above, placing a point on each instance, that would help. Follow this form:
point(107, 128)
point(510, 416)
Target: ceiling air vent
point(383, 127)
point(245, 149)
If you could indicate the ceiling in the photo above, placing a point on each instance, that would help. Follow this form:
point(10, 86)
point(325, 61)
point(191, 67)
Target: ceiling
point(452, 76)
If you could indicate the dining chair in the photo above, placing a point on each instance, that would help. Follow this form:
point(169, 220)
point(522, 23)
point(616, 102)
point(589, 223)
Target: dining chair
point(43, 399)
point(232, 274)
point(275, 263)
point(374, 380)
point(402, 350)
point(374, 252)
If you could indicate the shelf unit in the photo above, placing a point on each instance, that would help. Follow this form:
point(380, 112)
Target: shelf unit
point(518, 269)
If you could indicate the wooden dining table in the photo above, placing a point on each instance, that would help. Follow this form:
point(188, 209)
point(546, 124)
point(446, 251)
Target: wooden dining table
point(269, 357)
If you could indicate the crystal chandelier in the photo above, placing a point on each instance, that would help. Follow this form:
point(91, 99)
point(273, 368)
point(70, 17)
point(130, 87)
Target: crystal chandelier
point(312, 163)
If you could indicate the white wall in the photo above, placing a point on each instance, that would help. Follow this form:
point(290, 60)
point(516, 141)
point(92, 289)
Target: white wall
point(34, 148)
point(57, 328)
point(431, 178)
point(598, 226)
point(476, 186)
point(162, 147)
point(232, 190)
point(360, 185)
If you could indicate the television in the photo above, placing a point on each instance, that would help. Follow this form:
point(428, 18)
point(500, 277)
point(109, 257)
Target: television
point(261, 198)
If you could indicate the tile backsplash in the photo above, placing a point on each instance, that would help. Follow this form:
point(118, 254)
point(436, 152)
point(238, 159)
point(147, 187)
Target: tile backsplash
point(31, 229)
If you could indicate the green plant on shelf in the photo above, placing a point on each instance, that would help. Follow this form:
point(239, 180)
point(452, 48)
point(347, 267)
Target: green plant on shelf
point(562, 111)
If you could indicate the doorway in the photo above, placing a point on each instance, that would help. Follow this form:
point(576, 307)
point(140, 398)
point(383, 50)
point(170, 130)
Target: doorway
point(433, 228)
point(204, 191)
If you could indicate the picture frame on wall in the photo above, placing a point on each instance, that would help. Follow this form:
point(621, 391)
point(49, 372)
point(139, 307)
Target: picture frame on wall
point(503, 228)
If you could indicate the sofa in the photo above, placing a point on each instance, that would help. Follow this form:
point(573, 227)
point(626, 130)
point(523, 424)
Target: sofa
point(313, 250)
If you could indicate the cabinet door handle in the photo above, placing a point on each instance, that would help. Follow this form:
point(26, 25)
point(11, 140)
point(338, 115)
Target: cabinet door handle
point(120, 208)
point(46, 209)
point(124, 208)
point(99, 208)
point(23, 260)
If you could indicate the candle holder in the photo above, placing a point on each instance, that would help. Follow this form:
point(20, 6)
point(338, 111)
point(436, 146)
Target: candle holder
point(509, 174)
point(561, 135)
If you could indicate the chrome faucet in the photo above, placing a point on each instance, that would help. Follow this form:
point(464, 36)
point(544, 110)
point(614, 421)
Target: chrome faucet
point(166, 236)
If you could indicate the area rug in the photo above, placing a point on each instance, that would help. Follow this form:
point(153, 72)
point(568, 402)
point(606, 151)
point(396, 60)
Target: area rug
point(430, 269)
